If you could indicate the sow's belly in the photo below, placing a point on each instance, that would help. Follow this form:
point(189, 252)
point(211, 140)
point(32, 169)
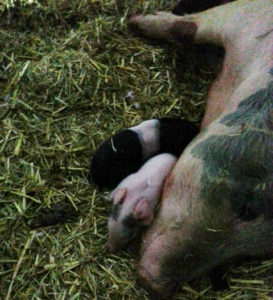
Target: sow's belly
point(238, 165)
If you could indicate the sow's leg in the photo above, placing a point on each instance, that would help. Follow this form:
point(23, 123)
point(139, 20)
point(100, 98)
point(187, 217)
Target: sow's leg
point(217, 201)
point(230, 26)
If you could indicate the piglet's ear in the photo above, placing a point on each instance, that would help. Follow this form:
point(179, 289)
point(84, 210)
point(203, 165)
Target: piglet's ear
point(143, 212)
point(120, 195)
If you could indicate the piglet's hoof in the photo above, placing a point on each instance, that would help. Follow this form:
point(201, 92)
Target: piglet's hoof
point(153, 287)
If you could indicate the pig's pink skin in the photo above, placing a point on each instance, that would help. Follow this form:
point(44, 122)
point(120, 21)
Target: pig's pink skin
point(199, 225)
point(137, 196)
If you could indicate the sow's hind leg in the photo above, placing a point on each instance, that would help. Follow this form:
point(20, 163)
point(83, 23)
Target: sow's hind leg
point(206, 27)
point(226, 26)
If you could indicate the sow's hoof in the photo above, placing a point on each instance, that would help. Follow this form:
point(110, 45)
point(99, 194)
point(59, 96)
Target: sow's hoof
point(155, 26)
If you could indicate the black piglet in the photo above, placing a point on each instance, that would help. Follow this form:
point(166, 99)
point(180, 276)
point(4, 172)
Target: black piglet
point(125, 152)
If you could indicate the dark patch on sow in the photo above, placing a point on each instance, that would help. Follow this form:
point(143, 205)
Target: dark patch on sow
point(115, 159)
point(239, 167)
point(183, 31)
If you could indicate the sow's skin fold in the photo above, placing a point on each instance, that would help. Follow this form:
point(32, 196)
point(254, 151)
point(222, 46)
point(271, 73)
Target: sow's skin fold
point(217, 203)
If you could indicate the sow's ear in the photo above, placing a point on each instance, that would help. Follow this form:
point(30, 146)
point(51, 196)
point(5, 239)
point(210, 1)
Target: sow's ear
point(119, 195)
point(143, 212)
